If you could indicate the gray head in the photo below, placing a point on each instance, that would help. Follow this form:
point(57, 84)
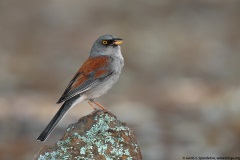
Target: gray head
point(106, 45)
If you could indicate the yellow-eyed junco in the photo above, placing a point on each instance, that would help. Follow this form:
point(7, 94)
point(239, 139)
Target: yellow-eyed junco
point(95, 77)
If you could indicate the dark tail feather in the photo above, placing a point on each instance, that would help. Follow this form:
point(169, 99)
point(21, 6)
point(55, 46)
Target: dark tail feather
point(58, 116)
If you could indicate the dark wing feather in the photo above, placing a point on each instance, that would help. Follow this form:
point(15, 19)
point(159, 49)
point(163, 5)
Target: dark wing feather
point(89, 75)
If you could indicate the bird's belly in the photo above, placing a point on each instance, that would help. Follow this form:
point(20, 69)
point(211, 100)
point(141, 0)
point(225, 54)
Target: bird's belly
point(102, 88)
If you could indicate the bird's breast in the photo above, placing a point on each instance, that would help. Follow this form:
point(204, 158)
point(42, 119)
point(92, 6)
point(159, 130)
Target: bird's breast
point(106, 83)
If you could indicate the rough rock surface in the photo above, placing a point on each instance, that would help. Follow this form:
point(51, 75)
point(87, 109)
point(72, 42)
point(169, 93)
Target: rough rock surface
point(98, 136)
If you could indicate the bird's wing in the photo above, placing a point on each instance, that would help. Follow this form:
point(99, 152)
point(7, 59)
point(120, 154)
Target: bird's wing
point(92, 70)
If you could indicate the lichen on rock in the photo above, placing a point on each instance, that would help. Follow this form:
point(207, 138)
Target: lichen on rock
point(96, 136)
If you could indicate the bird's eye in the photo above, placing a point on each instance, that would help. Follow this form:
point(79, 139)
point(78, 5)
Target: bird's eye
point(104, 42)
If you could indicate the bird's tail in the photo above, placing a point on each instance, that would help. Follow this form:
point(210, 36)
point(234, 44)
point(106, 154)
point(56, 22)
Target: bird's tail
point(58, 116)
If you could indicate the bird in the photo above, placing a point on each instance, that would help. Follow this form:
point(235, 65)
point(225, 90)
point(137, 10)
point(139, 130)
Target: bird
point(94, 78)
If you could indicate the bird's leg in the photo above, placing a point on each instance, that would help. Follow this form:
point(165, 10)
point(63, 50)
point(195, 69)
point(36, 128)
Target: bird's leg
point(90, 102)
point(99, 105)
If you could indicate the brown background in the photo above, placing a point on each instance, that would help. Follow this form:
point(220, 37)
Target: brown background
point(179, 90)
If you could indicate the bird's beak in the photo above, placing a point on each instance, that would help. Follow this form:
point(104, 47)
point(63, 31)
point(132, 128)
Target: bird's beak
point(117, 41)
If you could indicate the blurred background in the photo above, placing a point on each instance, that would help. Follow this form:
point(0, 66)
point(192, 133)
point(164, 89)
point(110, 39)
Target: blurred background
point(179, 89)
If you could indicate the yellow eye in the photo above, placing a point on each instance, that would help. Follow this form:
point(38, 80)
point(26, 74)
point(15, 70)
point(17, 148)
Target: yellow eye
point(104, 42)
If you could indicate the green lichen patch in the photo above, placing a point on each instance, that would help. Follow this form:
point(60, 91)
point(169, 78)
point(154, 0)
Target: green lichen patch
point(98, 136)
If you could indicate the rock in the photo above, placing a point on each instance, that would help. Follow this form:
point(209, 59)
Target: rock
point(98, 136)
